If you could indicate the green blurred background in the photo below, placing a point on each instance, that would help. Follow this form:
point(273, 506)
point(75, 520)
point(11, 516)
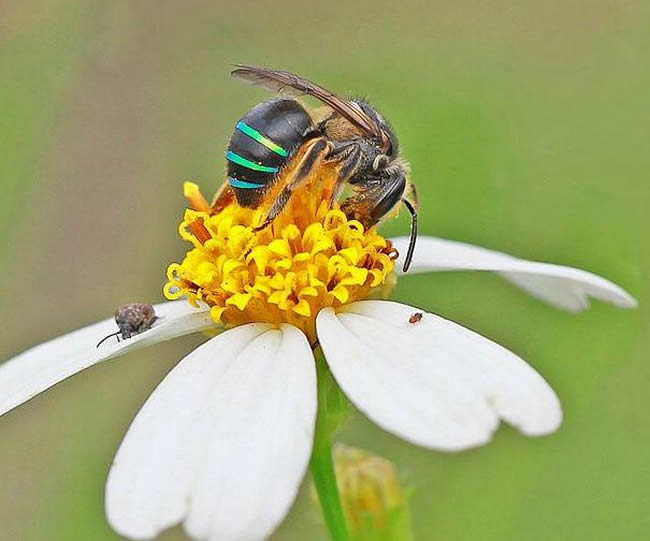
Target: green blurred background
point(528, 128)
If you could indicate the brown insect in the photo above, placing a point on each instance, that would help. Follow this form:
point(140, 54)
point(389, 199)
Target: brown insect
point(416, 317)
point(132, 319)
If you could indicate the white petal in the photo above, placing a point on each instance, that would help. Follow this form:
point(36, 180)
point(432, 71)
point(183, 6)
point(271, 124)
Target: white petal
point(563, 287)
point(40, 367)
point(434, 382)
point(223, 442)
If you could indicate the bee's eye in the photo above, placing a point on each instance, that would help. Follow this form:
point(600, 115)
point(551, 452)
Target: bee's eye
point(380, 162)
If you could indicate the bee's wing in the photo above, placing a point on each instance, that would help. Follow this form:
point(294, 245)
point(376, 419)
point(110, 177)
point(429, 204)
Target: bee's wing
point(288, 83)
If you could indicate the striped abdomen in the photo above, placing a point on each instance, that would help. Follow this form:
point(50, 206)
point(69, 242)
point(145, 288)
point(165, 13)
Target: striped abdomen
point(263, 141)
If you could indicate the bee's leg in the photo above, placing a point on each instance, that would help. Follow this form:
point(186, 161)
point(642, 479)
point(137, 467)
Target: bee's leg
point(376, 196)
point(224, 196)
point(349, 155)
point(309, 162)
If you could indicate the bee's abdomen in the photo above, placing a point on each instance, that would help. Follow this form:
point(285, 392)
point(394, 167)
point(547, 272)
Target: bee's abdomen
point(263, 141)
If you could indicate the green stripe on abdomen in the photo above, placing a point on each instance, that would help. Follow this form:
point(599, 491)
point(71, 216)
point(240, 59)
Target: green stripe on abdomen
point(257, 136)
point(236, 183)
point(240, 160)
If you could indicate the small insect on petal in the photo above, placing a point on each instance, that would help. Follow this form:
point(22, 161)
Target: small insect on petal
point(416, 317)
point(132, 319)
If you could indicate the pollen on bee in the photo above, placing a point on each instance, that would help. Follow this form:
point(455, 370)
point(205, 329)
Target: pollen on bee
point(311, 256)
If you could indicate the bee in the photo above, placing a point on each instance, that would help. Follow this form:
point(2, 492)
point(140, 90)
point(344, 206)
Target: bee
point(348, 132)
point(132, 319)
point(416, 317)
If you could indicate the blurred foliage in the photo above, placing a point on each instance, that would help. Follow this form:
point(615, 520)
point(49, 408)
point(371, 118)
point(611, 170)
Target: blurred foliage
point(527, 125)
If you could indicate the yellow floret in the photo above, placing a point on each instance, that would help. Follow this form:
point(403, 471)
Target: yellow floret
point(310, 257)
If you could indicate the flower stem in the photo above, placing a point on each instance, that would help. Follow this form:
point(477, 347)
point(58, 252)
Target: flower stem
point(332, 409)
point(322, 472)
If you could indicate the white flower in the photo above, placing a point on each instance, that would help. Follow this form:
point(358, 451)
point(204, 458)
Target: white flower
point(224, 441)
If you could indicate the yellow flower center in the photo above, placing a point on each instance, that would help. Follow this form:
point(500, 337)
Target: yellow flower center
point(310, 257)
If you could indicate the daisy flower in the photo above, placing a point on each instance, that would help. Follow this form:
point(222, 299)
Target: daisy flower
point(224, 441)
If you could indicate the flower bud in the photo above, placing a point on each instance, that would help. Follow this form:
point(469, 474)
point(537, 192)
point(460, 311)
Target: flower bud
point(371, 496)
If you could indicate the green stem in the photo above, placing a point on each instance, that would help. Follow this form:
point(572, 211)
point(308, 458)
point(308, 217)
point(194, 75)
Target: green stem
point(332, 409)
point(322, 473)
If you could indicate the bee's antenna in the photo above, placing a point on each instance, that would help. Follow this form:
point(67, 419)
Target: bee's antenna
point(414, 234)
point(107, 337)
